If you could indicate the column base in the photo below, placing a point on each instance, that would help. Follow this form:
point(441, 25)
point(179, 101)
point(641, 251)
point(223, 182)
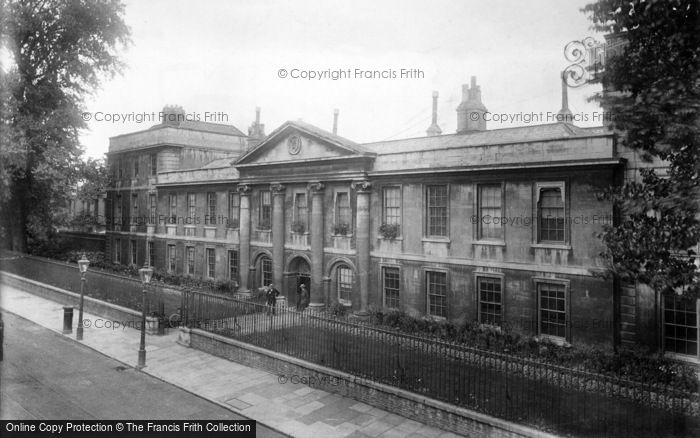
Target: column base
point(360, 315)
point(316, 307)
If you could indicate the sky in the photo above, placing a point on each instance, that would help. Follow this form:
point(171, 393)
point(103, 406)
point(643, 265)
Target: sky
point(220, 60)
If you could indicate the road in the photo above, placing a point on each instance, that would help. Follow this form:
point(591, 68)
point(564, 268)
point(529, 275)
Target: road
point(47, 376)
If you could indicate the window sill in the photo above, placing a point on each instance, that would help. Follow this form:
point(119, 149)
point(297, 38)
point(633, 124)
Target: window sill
point(683, 358)
point(341, 235)
point(489, 242)
point(399, 238)
point(436, 239)
point(435, 318)
point(551, 246)
point(561, 342)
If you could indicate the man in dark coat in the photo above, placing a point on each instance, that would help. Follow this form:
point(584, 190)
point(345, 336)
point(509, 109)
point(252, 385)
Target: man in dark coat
point(271, 293)
point(303, 301)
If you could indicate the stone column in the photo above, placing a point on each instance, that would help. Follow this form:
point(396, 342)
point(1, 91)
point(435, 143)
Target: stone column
point(362, 243)
point(244, 238)
point(277, 190)
point(317, 230)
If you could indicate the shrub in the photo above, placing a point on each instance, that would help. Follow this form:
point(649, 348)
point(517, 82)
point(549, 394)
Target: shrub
point(341, 229)
point(390, 231)
point(298, 227)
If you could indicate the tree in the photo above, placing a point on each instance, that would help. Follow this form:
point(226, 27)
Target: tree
point(656, 110)
point(59, 52)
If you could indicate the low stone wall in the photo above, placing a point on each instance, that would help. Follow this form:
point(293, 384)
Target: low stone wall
point(108, 311)
point(404, 403)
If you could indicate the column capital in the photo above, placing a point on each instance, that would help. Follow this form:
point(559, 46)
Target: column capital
point(277, 188)
point(316, 187)
point(362, 186)
point(244, 189)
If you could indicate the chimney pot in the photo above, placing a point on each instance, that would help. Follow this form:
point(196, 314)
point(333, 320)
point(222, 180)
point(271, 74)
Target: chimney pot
point(336, 111)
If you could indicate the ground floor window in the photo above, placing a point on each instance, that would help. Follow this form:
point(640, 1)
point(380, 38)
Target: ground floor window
point(680, 325)
point(132, 245)
point(233, 265)
point(211, 263)
point(552, 309)
point(490, 295)
point(171, 258)
point(151, 254)
point(390, 280)
point(436, 287)
point(265, 271)
point(343, 278)
point(117, 251)
point(189, 256)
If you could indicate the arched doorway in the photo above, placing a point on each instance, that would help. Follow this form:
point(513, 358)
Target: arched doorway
point(299, 273)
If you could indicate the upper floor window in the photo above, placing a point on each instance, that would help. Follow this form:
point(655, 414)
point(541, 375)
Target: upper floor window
point(343, 218)
point(118, 207)
point(551, 213)
point(680, 326)
point(171, 258)
point(135, 205)
point(437, 214)
point(234, 209)
point(391, 213)
point(121, 170)
point(152, 202)
point(300, 213)
point(265, 211)
point(490, 212)
point(154, 164)
point(211, 208)
point(172, 207)
point(136, 168)
point(151, 252)
point(117, 251)
point(191, 207)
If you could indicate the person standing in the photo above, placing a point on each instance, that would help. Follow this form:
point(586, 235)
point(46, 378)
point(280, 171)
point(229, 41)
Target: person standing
point(271, 293)
point(303, 297)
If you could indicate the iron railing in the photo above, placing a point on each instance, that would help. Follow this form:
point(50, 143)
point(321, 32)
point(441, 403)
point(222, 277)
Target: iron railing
point(546, 396)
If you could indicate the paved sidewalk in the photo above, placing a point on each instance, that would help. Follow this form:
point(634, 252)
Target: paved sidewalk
point(295, 409)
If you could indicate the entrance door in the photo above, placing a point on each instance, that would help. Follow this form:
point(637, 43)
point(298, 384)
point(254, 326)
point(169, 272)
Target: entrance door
point(300, 273)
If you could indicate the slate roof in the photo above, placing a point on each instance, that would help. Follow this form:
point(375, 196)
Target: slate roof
point(520, 134)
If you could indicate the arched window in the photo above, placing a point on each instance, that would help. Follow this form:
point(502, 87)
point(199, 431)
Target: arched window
point(344, 284)
point(265, 269)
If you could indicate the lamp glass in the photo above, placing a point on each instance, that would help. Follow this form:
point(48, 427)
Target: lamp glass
point(146, 274)
point(83, 264)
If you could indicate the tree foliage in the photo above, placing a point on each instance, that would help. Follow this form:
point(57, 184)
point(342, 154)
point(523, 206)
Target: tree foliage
point(58, 52)
point(652, 90)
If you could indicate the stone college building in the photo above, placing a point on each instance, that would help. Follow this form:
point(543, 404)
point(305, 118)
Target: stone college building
point(496, 226)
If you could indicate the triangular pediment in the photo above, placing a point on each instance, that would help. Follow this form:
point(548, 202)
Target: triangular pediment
point(298, 141)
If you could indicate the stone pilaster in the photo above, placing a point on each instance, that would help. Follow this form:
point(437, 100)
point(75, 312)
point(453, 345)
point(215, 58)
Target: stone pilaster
point(317, 230)
point(244, 238)
point(362, 242)
point(277, 190)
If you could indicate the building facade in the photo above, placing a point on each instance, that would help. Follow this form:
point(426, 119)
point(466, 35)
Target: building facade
point(496, 226)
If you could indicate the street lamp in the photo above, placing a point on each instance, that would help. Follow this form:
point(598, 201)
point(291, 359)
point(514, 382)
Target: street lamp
point(145, 273)
point(83, 264)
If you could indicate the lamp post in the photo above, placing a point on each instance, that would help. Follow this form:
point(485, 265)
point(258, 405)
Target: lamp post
point(145, 273)
point(83, 264)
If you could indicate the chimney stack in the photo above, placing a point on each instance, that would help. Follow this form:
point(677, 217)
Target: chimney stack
point(470, 112)
point(564, 114)
point(434, 129)
point(256, 131)
point(335, 121)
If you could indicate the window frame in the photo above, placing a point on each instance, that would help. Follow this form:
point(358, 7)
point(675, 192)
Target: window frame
point(153, 207)
point(133, 252)
point(211, 208)
point(426, 274)
point(172, 208)
point(189, 271)
point(301, 214)
point(172, 258)
point(383, 269)
point(567, 308)
point(154, 164)
point(501, 280)
point(265, 276)
point(210, 264)
point(234, 211)
point(480, 215)
point(191, 199)
point(399, 199)
point(337, 212)
point(233, 255)
point(338, 271)
point(428, 217)
point(265, 210)
point(664, 346)
point(151, 253)
point(545, 185)
point(117, 251)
